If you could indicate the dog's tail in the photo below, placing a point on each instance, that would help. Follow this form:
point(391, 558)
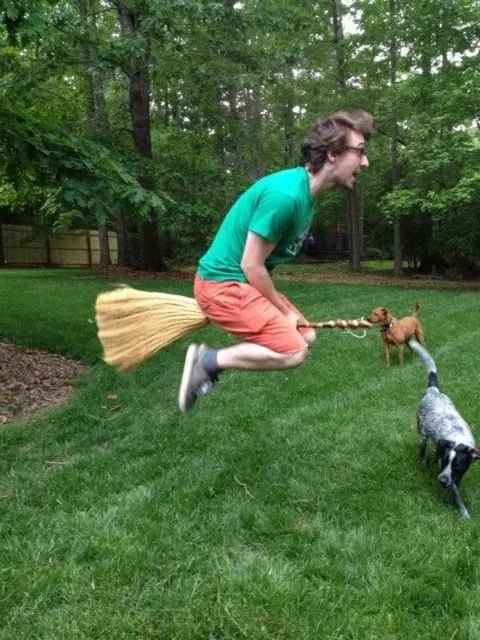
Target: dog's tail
point(417, 307)
point(428, 361)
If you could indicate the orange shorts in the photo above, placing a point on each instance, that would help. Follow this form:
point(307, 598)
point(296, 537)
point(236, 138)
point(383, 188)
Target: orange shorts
point(243, 311)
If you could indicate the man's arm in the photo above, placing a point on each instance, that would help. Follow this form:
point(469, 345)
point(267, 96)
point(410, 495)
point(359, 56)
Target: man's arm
point(257, 250)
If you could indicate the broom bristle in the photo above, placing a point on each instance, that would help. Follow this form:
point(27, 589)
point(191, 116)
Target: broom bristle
point(133, 325)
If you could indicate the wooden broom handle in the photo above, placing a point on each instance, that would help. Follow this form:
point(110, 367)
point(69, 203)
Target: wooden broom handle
point(341, 324)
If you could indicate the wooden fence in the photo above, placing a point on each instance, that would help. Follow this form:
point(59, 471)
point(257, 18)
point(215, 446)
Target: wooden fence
point(23, 246)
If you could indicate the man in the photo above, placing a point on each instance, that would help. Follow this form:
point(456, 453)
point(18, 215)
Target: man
point(267, 226)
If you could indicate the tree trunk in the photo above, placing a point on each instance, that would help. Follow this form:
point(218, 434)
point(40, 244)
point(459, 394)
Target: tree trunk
point(397, 249)
point(220, 132)
point(353, 214)
point(234, 129)
point(124, 258)
point(359, 204)
point(397, 236)
point(104, 243)
point(254, 126)
point(352, 199)
point(288, 115)
point(97, 114)
point(355, 257)
point(150, 258)
point(397, 239)
point(338, 41)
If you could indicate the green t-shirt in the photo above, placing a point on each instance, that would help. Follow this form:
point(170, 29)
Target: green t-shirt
point(279, 208)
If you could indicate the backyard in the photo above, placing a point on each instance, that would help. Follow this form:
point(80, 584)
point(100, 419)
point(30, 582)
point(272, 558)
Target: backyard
point(287, 505)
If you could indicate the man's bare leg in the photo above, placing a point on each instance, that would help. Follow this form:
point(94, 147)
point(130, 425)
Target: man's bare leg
point(203, 364)
point(253, 357)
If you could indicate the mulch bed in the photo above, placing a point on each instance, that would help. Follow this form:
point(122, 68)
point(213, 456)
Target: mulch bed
point(31, 379)
point(386, 280)
point(380, 278)
point(126, 273)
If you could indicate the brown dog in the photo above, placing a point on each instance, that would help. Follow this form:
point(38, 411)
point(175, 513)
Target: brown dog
point(397, 332)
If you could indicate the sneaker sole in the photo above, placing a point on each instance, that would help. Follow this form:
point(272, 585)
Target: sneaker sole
point(187, 372)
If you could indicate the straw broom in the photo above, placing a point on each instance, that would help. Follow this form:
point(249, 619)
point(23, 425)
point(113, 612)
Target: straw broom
point(133, 325)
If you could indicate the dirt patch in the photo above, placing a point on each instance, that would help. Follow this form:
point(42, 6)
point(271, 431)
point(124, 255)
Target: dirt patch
point(31, 379)
point(385, 280)
point(382, 278)
point(127, 273)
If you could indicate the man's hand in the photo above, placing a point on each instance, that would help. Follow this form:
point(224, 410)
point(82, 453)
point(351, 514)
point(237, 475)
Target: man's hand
point(292, 317)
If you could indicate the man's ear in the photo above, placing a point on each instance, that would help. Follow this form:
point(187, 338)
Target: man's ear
point(331, 156)
point(474, 453)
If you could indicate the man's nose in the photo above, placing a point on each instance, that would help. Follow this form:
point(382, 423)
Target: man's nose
point(364, 162)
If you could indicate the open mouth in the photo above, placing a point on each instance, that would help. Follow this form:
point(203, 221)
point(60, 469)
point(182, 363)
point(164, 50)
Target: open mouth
point(355, 175)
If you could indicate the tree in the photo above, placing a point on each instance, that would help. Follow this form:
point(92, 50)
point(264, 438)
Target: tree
point(97, 114)
point(201, 101)
point(352, 198)
point(397, 247)
point(137, 69)
point(80, 180)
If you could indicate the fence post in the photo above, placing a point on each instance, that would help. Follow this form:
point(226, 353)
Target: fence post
point(89, 249)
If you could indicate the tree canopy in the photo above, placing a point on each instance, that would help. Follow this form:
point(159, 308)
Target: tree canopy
point(150, 118)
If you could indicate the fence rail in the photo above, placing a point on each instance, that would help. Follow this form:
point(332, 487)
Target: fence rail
point(21, 245)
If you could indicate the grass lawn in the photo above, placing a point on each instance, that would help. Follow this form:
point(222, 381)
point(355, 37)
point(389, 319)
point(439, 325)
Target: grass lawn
point(336, 266)
point(286, 505)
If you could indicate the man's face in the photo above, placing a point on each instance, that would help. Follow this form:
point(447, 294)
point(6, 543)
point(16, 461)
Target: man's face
point(349, 163)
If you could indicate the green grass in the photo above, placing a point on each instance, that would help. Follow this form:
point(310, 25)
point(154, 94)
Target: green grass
point(336, 266)
point(287, 505)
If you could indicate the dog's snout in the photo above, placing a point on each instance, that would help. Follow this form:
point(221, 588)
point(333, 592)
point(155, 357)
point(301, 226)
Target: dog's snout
point(445, 481)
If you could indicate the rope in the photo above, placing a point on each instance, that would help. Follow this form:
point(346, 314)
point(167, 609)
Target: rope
point(354, 334)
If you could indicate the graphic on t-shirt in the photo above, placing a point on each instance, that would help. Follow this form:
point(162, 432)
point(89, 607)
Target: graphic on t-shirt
point(294, 247)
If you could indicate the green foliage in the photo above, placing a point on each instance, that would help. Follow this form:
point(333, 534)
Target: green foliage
point(234, 87)
point(441, 182)
point(24, 20)
point(83, 178)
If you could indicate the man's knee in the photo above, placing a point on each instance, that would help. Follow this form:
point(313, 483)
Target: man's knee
point(309, 336)
point(291, 360)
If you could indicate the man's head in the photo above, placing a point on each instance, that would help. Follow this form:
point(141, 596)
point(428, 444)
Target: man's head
point(336, 144)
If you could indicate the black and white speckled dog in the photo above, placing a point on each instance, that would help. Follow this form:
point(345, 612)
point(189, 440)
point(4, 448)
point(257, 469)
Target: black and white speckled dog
point(439, 419)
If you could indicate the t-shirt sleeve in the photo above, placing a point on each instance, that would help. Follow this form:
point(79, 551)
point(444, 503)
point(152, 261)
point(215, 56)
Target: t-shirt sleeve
point(273, 216)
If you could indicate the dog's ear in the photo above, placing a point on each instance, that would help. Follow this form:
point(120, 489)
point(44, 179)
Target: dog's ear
point(443, 446)
point(475, 453)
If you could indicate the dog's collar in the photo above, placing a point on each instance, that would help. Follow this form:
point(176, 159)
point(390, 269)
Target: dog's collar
point(387, 327)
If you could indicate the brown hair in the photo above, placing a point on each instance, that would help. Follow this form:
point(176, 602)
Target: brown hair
point(331, 134)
